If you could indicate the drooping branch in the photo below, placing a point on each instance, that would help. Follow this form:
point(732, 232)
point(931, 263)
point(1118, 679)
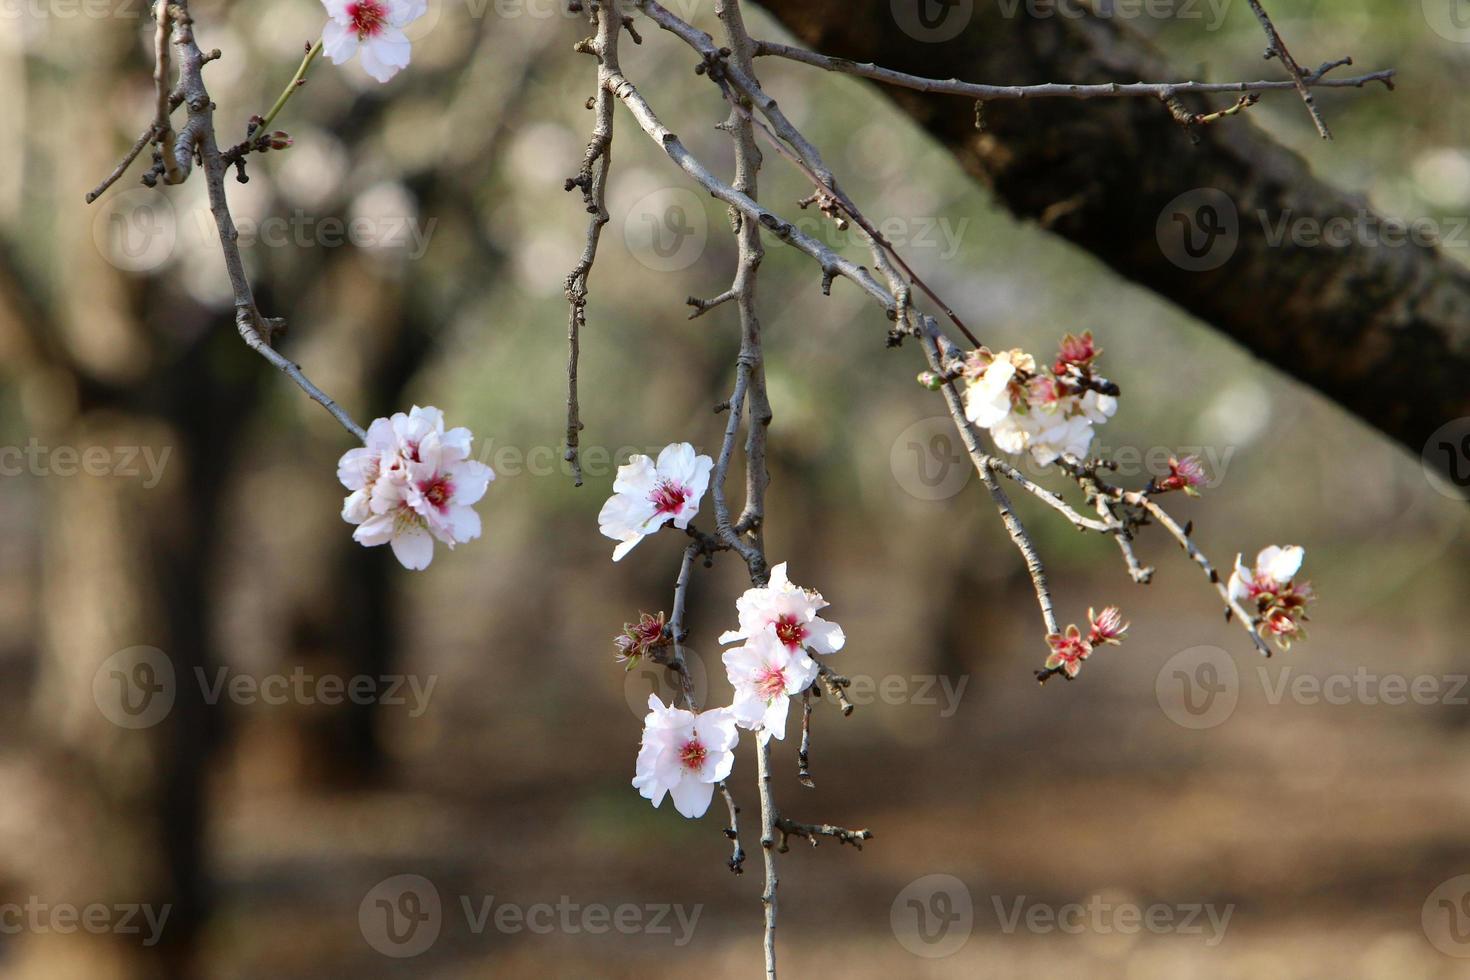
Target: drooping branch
point(198, 136)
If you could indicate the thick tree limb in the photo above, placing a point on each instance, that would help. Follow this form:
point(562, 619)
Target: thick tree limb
point(1384, 330)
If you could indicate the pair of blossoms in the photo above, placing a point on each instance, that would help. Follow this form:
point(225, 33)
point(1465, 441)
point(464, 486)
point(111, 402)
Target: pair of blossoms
point(684, 754)
point(1268, 590)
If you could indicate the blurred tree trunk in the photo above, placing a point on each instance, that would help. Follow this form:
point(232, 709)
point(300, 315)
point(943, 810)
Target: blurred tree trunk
point(1384, 331)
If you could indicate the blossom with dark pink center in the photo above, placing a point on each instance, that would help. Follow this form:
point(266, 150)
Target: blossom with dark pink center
point(373, 29)
point(765, 673)
point(648, 494)
point(684, 755)
point(413, 482)
point(788, 613)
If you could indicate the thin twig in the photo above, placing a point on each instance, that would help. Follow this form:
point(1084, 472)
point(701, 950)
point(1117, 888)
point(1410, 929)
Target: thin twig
point(1277, 49)
point(1055, 90)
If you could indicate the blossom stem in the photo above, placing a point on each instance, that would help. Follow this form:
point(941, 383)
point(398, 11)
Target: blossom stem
point(291, 86)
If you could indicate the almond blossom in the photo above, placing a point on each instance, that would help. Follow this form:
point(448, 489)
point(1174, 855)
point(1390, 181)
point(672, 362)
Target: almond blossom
point(373, 29)
point(1269, 590)
point(787, 612)
point(766, 673)
point(1049, 414)
point(647, 495)
point(412, 482)
point(684, 755)
point(1070, 648)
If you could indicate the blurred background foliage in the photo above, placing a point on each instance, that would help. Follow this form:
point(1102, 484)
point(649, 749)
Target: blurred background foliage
point(1325, 825)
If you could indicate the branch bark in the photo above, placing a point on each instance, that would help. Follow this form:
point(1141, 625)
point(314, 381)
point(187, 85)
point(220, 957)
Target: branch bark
point(1383, 331)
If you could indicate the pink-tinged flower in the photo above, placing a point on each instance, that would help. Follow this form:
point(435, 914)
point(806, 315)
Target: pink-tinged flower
point(1106, 626)
point(766, 673)
point(1068, 651)
point(1075, 350)
point(638, 638)
point(1184, 474)
point(684, 755)
point(647, 495)
point(412, 482)
point(1275, 567)
point(1270, 591)
point(373, 28)
point(787, 612)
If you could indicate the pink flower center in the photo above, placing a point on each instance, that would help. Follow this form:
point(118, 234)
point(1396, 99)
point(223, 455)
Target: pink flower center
point(668, 497)
point(368, 18)
point(789, 631)
point(438, 492)
point(692, 755)
point(770, 682)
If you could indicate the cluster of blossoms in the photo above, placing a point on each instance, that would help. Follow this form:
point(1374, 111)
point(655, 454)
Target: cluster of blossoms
point(412, 482)
point(1046, 412)
point(372, 29)
point(1269, 591)
point(684, 753)
point(1069, 649)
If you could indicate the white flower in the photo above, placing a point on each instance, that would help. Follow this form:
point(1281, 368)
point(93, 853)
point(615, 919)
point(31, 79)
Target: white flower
point(646, 495)
point(1056, 435)
point(1098, 408)
point(765, 674)
point(1275, 566)
point(373, 27)
point(788, 613)
point(412, 482)
point(1011, 433)
point(684, 754)
point(988, 397)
